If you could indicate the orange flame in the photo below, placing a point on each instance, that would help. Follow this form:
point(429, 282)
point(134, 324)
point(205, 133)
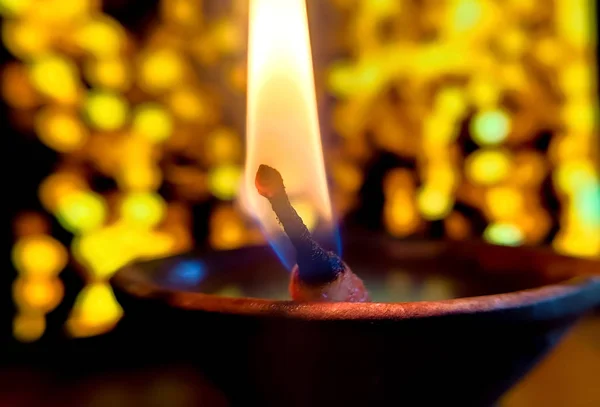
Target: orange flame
point(282, 128)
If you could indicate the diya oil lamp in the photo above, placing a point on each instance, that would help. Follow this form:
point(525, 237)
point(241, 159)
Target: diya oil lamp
point(350, 335)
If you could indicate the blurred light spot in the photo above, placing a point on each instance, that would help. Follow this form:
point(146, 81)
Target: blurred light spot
point(105, 110)
point(231, 291)
point(222, 145)
point(504, 202)
point(466, 14)
point(14, 7)
point(96, 310)
point(226, 35)
point(488, 166)
point(307, 213)
point(436, 289)
point(160, 70)
point(188, 105)
point(587, 204)
point(60, 129)
point(24, 38)
point(573, 175)
point(189, 272)
point(139, 177)
point(580, 116)
point(56, 77)
point(503, 233)
point(109, 73)
point(182, 12)
point(150, 120)
point(143, 208)
point(226, 229)
point(347, 176)
point(224, 181)
point(81, 211)
point(457, 226)
point(451, 102)
point(400, 214)
point(101, 37)
point(574, 242)
point(490, 127)
point(29, 326)
point(483, 92)
point(17, 89)
point(576, 79)
point(39, 256)
point(433, 203)
point(58, 186)
point(37, 294)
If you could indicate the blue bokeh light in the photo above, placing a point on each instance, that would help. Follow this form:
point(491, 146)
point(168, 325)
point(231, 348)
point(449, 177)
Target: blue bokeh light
point(189, 271)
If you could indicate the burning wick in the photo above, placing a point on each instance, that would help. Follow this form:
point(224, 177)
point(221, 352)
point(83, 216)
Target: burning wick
point(319, 275)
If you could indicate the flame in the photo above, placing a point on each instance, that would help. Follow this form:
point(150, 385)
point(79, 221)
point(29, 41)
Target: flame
point(282, 128)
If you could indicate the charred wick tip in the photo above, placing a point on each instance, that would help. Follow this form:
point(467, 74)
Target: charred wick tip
point(315, 264)
point(268, 181)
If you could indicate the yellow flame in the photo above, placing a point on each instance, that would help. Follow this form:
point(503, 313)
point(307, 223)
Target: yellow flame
point(282, 129)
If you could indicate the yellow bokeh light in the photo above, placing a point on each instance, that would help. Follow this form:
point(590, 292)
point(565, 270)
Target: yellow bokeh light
point(96, 310)
point(101, 36)
point(81, 211)
point(109, 73)
point(58, 186)
point(433, 203)
point(24, 38)
point(14, 7)
point(347, 177)
point(573, 175)
point(143, 209)
point(139, 177)
point(222, 145)
point(60, 129)
point(583, 243)
point(224, 181)
point(39, 256)
point(104, 250)
point(106, 110)
point(483, 92)
point(504, 203)
point(400, 214)
point(580, 116)
point(226, 35)
point(490, 127)
point(160, 69)
point(189, 105)
point(55, 76)
point(451, 102)
point(37, 294)
point(152, 121)
point(226, 229)
point(29, 326)
point(506, 234)
point(488, 166)
point(182, 12)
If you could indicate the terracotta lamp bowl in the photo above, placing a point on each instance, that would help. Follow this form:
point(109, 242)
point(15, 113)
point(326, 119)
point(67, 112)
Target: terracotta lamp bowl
point(454, 323)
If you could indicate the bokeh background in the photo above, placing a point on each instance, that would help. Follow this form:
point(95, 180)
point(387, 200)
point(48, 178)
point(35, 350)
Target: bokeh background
point(125, 122)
